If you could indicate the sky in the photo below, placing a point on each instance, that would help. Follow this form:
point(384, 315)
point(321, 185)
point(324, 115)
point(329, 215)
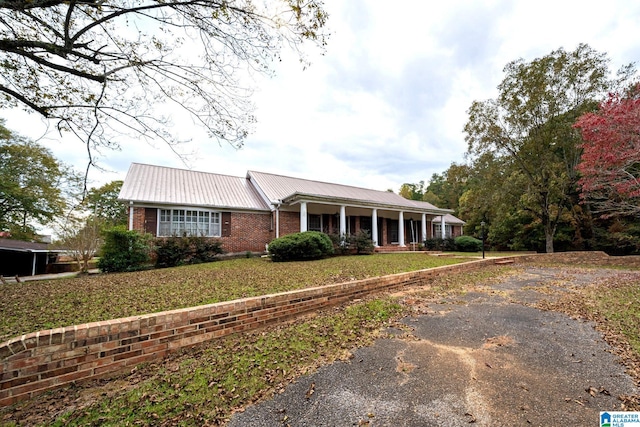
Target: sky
point(387, 103)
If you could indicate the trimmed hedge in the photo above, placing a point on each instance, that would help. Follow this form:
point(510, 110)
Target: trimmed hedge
point(174, 251)
point(468, 244)
point(437, 244)
point(301, 246)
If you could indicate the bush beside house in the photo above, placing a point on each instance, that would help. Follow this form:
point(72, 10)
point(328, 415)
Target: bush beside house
point(468, 244)
point(359, 243)
point(174, 251)
point(301, 246)
point(436, 244)
point(124, 250)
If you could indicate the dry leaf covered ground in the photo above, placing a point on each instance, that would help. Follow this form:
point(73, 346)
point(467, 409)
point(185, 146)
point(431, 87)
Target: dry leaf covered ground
point(482, 348)
point(33, 306)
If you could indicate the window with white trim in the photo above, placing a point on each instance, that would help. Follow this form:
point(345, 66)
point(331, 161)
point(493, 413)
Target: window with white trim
point(437, 231)
point(188, 222)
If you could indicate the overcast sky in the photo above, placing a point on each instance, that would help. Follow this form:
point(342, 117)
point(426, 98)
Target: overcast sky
point(387, 103)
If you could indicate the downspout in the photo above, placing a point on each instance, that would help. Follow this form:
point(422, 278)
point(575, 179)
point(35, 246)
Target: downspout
point(278, 218)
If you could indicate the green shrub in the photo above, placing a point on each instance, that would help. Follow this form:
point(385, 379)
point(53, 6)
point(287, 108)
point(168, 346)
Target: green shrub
point(169, 252)
point(468, 244)
point(437, 244)
point(301, 246)
point(363, 243)
point(174, 251)
point(124, 250)
point(341, 243)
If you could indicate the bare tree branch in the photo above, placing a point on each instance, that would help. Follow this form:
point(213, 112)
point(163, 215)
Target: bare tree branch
point(104, 67)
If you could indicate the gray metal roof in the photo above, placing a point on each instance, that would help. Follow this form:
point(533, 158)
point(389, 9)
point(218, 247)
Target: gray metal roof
point(277, 188)
point(449, 219)
point(170, 186)
point(163, 185)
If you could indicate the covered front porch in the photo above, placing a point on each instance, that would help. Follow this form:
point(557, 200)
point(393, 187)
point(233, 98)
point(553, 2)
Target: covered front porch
point(389, 226)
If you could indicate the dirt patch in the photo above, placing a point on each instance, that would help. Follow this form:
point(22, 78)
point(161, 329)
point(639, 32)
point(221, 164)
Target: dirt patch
point(499, 341)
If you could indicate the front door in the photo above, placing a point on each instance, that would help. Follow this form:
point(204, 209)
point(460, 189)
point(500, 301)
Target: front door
point(392, 231)
point(365, 224)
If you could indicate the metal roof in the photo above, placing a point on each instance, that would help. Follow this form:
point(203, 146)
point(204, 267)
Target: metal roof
point(170, 186)
point(449, 219)
point(163, 185)
point(282, 188)
point(19, 245)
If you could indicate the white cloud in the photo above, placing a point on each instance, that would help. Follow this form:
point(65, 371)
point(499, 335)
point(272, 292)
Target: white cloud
point(387, 103)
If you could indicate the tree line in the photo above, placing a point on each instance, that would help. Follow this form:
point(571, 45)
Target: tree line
point(553, 162)
point(38, 190)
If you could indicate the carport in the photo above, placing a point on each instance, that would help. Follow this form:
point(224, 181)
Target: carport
point(19, 258)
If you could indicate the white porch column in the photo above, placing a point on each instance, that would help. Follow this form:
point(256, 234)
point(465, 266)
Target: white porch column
point(303, 216)
point(401, 229)
point(343, 220)
point(423, 222)
point(374, 227)
point(442, 229)
point(131, 215)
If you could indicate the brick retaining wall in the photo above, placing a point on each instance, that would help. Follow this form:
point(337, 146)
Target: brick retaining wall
point(44, 360)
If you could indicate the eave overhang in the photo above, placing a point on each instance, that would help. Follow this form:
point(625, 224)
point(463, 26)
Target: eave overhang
point(304, 197)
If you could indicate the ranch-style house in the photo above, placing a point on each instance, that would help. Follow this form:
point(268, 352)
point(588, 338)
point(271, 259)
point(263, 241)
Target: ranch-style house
point(246, 213)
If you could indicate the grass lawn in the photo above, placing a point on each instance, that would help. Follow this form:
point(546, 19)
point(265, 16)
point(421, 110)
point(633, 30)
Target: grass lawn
point(32, 306)
point(205, 385)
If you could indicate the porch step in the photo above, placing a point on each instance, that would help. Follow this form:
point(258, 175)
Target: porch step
point(395, 248)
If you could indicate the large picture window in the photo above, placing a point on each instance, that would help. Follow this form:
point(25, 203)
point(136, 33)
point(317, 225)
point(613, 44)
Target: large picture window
point(188, 222)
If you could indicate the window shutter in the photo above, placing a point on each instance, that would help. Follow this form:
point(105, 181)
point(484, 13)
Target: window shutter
point(226, 224)
point(151, 220)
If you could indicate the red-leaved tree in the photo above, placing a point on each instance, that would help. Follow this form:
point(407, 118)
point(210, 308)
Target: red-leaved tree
point(610, 162)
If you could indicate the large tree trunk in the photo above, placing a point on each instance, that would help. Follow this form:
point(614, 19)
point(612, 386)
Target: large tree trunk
point(549, 241)
point(549, 228)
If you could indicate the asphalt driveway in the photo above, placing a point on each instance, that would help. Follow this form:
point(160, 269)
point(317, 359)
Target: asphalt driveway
point(485, 359)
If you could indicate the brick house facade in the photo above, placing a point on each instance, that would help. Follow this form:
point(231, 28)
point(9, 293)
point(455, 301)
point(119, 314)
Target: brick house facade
point(246, 213)
point(244, 231)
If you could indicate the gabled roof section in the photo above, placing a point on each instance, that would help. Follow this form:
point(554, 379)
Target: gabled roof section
point(283, 188)
point(163, 185)
point(449, 219)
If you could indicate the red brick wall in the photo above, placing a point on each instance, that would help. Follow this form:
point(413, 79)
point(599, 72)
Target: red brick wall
point(289, 223)
point(249, 231)
point(138, 218)
point(41, 361)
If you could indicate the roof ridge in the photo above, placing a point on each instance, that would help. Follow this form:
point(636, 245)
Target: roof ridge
point(322, 182)
point(186, 170)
